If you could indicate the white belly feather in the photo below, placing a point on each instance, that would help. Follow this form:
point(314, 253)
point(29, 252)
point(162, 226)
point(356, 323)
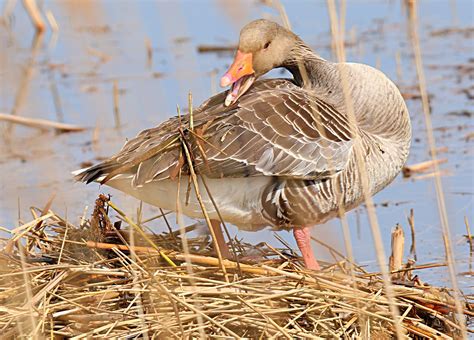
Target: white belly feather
point(238, 199)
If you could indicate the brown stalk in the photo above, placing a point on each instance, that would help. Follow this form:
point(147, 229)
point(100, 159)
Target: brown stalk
point(234, 252)
point(149, 52)
point(396, 259)
point(411, 223)
point(193, 178)
point(201, 203)
point(203, 155)
point(116, 104)
point(52, 21)
point(29, 295)
point(215, 48)
point(408, 170)
point(35, 15)
point(182, 228)
point(362, 170)
point(398, 61)
point(469, 236)
point(413, 22)
point(42, 124)
point(55, 94)
point(23, 88)
point(141, 232)
point(433, 174)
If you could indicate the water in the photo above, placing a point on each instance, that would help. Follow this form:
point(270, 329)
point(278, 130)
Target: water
point(102, 42)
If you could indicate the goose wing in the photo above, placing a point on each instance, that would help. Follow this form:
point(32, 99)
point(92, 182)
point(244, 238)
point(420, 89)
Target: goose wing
point(276, 129)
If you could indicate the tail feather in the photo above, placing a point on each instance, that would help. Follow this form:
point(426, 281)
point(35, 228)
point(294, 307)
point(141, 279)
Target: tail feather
point(95, 173)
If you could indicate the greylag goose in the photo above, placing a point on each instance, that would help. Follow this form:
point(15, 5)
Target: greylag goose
point(273, 152)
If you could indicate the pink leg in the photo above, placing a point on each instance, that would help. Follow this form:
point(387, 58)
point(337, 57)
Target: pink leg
point(303, 240)
point(223, 247)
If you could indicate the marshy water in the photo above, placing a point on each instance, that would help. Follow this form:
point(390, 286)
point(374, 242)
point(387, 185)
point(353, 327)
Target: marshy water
point(147, 53)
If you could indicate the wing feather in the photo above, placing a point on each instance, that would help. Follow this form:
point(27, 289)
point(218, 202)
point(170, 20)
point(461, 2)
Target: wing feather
point(276, 129)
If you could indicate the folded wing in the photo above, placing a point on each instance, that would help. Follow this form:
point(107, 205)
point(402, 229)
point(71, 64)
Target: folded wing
point(276, 129)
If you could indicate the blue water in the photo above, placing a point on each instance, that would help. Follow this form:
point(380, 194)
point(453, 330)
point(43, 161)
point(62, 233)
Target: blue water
point(100, 42)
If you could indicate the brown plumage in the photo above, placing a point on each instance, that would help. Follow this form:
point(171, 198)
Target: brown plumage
point(281, 152)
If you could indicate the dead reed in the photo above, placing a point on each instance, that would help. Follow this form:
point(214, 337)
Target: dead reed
point(42, 124)
point(338, 37)
point(35, 15)
point(52, 21)
point(116, 104)
point(445, 229)
point(62, 280)
point(149, 52)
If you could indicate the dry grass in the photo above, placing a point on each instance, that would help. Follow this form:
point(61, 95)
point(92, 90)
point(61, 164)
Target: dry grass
point(35, 15)
point(42, 124)
point(441, 200)
point(58, 280)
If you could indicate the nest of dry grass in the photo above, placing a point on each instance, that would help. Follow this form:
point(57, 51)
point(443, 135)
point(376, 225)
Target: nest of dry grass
point(61, 280)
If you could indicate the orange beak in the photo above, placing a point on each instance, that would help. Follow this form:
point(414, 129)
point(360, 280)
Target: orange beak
point(242, 66)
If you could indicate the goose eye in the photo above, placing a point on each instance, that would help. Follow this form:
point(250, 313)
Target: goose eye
point(266, 45)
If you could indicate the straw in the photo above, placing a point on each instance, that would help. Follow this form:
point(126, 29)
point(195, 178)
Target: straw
point(413, 23)
point(78, 286)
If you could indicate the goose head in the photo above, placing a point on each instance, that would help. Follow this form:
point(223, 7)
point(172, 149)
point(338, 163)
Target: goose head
point(263, 46)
